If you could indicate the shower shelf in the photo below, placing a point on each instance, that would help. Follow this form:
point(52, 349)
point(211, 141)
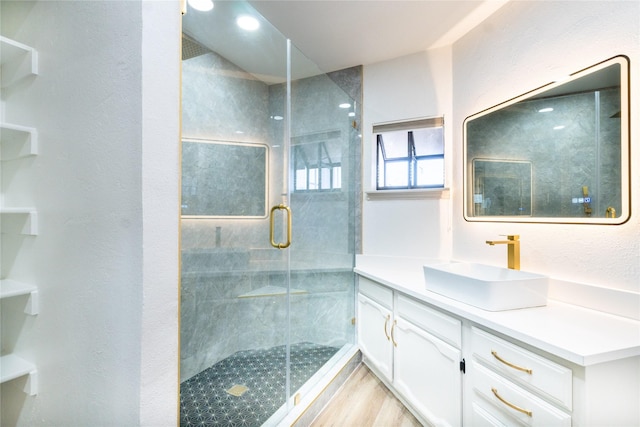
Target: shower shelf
point(12, 288)
point(12, 367)
point(271, 291)
point(18, 61)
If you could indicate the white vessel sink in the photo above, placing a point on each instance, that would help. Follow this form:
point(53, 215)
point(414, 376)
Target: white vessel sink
point(487, 287)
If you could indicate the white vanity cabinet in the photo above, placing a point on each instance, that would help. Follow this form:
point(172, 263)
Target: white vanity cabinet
point(427, 361)
point(510, 385)
point(414, 349)
point(555, 366)
point(375, 320)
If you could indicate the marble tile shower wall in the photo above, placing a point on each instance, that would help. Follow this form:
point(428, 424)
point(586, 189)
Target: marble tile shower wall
point(521, 133)
point(225, 259)
point(220, 99)
point(217, 320)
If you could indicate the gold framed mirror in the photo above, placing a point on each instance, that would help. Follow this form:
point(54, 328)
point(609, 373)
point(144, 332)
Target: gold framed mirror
point(573, 134)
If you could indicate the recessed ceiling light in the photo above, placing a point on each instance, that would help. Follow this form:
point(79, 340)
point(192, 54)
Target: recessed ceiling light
point(248, 23)
point(201, 5)
point(352, 114)
point(558, 127)
point(344, 105)
point(277, 117)
point(545, 110)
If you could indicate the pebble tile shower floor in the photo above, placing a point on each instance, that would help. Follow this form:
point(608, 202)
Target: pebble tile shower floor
point(205, 399)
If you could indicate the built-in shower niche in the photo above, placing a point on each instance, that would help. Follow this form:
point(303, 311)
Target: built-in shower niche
point(222, 179)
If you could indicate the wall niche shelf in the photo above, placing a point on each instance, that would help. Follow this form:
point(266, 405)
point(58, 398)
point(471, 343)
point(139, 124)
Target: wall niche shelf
point(28, 225)
point(18, 61)
point(13, 288)
point(12, 367)
point(17, 141)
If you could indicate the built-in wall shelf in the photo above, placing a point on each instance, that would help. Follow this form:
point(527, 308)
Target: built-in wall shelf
point(12, 367)
point(17, 141)
point(19, 221)
point(17, 61)
point(13, 288)
point(18, 68)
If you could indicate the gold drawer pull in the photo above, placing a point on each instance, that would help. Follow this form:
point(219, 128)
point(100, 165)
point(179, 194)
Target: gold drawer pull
point(386, 322)
point(511, 365)
point(393, 340)
point(511, 405)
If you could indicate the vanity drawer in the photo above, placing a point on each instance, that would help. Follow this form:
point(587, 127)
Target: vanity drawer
point(497, 401)
point(551, 380)
point(439, 324)
point(380, 294)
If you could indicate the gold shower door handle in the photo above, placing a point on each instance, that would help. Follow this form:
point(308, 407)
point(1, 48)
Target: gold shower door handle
point(272, 227)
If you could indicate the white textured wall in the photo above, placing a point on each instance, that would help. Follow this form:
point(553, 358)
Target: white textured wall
point(161, 58)
point(524, 45)
point(413, 86)
point(105, 184)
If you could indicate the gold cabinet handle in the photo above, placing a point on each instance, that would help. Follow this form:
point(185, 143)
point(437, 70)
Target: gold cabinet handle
point(511, 365)
point(272, 227)
point(386, 322)
point(511, 405)
point(395, 344)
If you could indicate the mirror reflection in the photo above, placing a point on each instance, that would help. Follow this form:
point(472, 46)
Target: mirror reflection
point(557, 154)
point(501, 187)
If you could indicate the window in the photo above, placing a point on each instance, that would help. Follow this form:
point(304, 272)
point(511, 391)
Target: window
point(317, 166)
point(410, 154)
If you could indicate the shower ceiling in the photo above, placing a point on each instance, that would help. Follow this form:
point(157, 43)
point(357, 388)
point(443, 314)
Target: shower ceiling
point(334, 34)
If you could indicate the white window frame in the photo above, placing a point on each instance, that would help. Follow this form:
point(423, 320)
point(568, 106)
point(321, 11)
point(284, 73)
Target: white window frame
point(411, 160)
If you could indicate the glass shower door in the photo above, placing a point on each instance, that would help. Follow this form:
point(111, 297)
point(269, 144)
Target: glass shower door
point(266, 282)
point(234, 284)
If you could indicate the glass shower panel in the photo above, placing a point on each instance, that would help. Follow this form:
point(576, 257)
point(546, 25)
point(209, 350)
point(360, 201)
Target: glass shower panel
point(324, 155)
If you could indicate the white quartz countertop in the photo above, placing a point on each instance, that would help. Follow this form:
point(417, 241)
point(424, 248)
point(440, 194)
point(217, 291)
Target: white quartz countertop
point(576, 334)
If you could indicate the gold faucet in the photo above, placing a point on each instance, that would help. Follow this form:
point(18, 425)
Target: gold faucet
point(611, 212)
point(513, 250)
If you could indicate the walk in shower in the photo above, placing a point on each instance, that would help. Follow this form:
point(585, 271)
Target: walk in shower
point(270, 220)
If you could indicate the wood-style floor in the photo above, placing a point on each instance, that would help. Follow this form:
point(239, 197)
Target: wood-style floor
point(363, 401)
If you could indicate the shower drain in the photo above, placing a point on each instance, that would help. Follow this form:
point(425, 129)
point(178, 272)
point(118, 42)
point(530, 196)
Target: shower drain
point(237, 390)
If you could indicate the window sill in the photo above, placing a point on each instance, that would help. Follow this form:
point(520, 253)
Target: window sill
point(426, 193)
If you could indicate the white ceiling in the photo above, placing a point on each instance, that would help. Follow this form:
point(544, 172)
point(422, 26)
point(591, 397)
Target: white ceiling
point(337, 34)
point(332, 34)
